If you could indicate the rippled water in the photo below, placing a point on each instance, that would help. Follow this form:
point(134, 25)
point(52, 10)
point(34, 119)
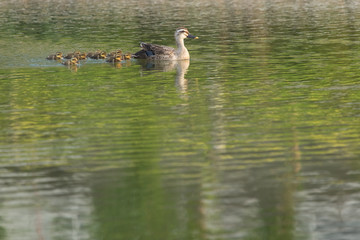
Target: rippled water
point(257, 137)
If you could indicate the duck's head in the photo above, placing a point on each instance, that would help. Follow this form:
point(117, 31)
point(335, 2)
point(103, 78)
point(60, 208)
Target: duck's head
point(102, 54)
point(74, 60)
point(183, 33)
point(118, 57)
point(127, 56)
point(81, 56)
point(58, 55)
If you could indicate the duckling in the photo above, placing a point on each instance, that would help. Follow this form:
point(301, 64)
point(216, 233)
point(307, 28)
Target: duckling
point(71, 55)
point(102, 55)
point(97, 55)
point(90, 54)
point(126, 56)
point(80, 56)
point(56, 56)
point(111, 54)
point(73, 61)
point(115, 58)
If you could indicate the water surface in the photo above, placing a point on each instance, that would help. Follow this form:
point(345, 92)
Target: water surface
point(256, 137)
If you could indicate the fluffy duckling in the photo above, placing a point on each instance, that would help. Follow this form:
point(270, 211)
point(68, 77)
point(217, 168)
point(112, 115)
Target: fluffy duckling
point(56, 56)
point(92, 54)
point(79, 55)
point(126, 56)
point(97, 55)
point(101, 55)
point(115, 58)
point(71, 55)
point(71, 62)
point(112, 54)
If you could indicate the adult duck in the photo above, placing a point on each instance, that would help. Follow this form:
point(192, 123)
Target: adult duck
point(160, 52)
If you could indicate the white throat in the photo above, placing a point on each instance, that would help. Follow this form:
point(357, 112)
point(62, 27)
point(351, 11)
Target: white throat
point(181, 51)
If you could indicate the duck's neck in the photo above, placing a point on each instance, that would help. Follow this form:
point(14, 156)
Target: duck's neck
point(181, 51)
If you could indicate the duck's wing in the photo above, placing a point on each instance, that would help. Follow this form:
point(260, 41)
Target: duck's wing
point(149, 50)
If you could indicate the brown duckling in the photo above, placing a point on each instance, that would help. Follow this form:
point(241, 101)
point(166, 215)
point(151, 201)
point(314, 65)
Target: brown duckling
point(71, 62)
point(101, 55)
point(126, 56)
point(91, 54)
point(71, 55)
point(112, 54)
point(79, 55)
point(115, 58)
point(97, 55)
point(56, 56)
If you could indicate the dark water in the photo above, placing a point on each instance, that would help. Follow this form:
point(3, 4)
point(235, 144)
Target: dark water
point(257, 137)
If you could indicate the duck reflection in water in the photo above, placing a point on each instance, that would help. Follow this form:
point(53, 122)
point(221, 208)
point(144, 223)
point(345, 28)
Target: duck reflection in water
point(181, 67)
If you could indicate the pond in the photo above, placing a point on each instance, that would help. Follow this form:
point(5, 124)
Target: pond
point(256, 137)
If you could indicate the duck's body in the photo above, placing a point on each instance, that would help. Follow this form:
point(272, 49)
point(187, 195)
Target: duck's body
point(160, 52)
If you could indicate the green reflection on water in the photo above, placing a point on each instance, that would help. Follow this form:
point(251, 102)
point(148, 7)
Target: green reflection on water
point(256, 139)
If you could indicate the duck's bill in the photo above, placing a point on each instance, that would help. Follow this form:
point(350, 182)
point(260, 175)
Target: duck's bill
point(192, 36)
